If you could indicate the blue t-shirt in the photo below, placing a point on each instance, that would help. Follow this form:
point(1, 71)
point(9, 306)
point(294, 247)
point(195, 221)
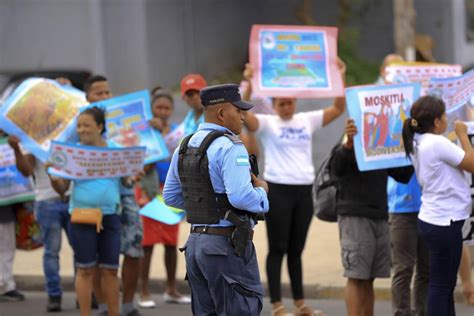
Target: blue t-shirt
point(403, 198)
point(190, 125)
point(96, 193)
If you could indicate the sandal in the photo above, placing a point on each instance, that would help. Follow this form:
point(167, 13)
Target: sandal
point(304, 310)
point(280, 311)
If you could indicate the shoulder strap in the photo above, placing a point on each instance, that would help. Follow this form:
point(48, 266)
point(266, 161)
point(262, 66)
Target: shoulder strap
point(207, 141)
point(184, 144)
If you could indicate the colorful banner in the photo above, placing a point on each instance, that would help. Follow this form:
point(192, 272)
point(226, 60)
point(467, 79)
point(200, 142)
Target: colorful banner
point(159, 211)
point(127, 124)
point(14, 187)
point(379, 112)
point(88, 162)
point(458, 95)
point(295, 61)
point(421, 72)
point(41, 110)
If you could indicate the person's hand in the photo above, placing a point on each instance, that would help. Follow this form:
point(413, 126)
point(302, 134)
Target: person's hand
point(468, 291)
point(248, 72)
point(138, 176)
point(341, 65)
point(259, 183)
point(14, 142)
point(460, 128)
point(156, 123)
point(350, 130)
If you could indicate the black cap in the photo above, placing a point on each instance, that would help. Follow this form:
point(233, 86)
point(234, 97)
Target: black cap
point(224, 93)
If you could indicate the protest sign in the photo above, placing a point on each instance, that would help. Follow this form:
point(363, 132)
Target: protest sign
point(458, 95)
point(41, 110)
point(379, 112)
point(295, 61)
point(14, 187)
point(88, 162)
point(421, 72)
point(159, 211)
point(127, 119)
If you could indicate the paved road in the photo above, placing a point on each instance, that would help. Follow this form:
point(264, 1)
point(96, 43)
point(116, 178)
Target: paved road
point(35, 304)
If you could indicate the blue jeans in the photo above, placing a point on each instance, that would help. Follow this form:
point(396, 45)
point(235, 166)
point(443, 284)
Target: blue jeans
point(52, 216)
point(445, 247)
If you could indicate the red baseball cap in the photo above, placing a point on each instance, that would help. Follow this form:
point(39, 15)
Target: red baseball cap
point(192, 82)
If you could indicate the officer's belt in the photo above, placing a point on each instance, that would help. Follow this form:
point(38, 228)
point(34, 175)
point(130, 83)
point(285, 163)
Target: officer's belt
point(221, 231)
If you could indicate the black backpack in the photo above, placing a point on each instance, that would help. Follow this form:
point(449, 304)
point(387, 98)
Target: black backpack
point(325, 191)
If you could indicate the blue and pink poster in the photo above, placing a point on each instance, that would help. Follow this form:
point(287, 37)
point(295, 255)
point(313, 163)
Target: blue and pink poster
point(379, 112)
point(295, 61)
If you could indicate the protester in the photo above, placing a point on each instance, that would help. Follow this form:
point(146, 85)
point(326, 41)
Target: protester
point(408, 250)
point(363, 223)
point(190, 87)
point(93, 248)
point(287, 141)
point(155, 232)
point(220, 197)
point(446, 202)
point(8, 291)
point(51, 213)
point(97, 89)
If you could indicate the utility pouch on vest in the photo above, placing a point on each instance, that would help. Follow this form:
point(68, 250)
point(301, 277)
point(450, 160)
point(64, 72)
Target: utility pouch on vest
point(89, 216)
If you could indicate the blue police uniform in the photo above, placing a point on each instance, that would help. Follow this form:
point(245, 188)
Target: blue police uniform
point(222, 283)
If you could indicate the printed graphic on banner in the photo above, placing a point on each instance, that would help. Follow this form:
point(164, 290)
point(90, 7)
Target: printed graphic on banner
point(458, 95)
point(159, 211)
point(127, 124)
point(295, 61)
point(14, 187)
point(41, 110)
point(421, 72)
point(379, 112)
point(86, 162)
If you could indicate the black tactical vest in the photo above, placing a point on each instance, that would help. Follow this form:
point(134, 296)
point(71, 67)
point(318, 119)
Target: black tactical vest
point(202, 204)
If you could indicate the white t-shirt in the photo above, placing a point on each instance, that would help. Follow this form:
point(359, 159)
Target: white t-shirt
point(288, 146)
point(446, 194)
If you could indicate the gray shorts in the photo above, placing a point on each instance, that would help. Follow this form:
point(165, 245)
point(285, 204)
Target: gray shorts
point(132, 229)
point(365, 247)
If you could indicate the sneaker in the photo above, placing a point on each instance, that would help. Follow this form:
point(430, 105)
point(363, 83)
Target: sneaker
point(182, 299)
point(134, 312)
point(146, 303)
point(12, 296)
point(54, 304)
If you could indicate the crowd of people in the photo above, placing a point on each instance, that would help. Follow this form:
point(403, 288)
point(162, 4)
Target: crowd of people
point(407, 220)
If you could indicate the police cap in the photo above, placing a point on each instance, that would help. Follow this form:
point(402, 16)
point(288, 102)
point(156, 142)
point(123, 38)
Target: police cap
point(224, 93)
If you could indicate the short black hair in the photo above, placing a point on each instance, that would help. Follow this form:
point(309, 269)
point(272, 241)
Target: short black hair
point(98, 113)
point(93, 79)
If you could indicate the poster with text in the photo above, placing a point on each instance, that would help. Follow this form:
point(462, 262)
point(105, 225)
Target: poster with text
point(87, 162)
point(41, 110)
point(295, 61)
point(379, 112)
point(14, 187)
point(458, 95)
point(127, 119)
point(421, 72)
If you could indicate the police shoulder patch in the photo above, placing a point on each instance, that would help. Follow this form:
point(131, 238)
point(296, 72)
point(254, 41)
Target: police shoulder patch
point(242, 161)
point(234, 138)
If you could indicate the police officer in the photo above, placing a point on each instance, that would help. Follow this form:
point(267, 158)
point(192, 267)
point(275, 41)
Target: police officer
point(210, 178)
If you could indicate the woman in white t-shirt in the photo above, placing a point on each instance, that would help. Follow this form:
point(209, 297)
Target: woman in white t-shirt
point(446, 198)
point(286, 138)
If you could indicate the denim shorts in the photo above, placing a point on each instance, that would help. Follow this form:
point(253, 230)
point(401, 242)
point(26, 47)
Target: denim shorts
point(92, 248)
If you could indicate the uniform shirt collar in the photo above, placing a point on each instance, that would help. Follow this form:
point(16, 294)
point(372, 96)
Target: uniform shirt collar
point(212, 126)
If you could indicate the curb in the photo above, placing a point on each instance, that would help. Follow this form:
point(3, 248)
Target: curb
point(315, 291)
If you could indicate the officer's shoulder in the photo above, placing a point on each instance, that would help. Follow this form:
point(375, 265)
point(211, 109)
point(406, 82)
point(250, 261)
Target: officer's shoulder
point(233, 138)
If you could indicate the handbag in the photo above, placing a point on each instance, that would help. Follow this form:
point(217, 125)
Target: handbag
point(88, 216)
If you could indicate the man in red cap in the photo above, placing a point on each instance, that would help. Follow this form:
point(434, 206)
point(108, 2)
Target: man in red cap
point(190, 87)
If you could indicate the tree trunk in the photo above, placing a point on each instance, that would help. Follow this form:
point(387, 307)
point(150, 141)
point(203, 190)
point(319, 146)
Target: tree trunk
point(404, 17)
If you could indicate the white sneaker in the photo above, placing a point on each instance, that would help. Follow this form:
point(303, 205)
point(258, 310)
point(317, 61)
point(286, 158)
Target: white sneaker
point(146, 304)
point(176, 300)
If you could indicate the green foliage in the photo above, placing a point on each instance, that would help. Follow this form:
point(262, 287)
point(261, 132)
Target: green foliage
point(359, 70)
